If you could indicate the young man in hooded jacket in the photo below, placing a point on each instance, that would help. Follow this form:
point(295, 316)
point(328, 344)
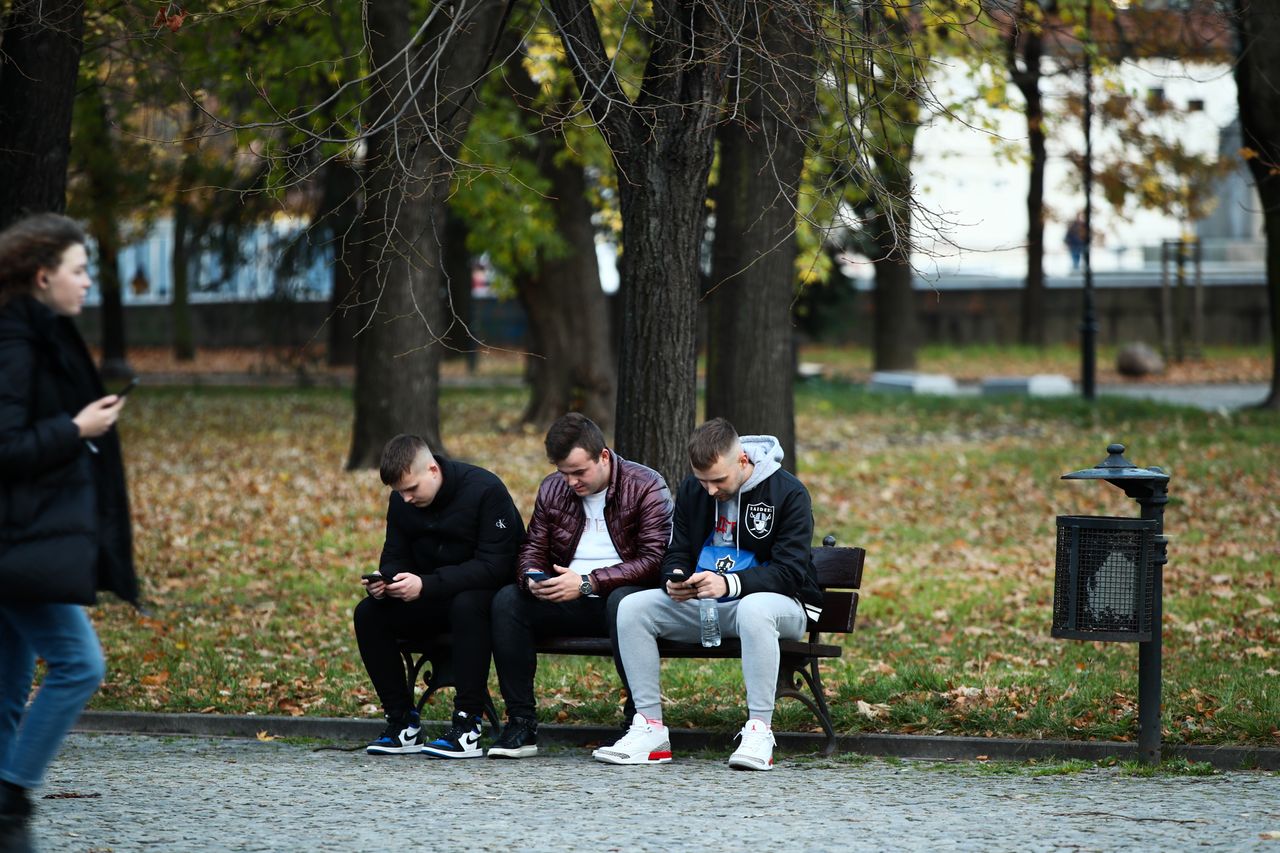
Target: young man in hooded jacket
point(742, 533)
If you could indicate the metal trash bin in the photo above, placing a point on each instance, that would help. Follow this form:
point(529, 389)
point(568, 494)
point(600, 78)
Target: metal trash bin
point(1109, 579)
point(1104, 583)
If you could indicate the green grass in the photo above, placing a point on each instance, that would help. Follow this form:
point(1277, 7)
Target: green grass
point(251, 537)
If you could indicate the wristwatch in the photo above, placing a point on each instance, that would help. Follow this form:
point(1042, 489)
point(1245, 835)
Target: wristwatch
point(586, 588)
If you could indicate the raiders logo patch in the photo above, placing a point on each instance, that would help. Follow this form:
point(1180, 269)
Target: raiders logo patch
point(759, 520)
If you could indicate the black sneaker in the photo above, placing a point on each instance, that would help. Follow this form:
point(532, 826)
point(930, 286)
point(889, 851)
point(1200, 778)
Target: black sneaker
point(15, 811)
point(403, 734)
point(519, 740)
point(461, 741)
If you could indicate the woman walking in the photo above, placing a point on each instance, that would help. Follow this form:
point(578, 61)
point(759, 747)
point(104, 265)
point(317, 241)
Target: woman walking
point(64, 515)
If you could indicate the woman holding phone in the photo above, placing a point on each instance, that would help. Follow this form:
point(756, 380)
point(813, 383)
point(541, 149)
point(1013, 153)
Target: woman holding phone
point(64, 514)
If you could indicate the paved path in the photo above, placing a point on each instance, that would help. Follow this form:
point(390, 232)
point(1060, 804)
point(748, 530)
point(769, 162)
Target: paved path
point(193, 794)
point(1210, 397)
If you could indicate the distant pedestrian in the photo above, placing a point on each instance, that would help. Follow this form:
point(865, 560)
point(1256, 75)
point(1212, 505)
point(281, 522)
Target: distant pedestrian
point(1077, 239)
point(65, 524)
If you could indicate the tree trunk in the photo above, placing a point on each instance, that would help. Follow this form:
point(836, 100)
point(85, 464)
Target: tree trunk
point(40, 49)
point(1026, 76)
point(662, 216)
point(101, 161)
point(572, 365)
point(1257, 69)
point(341, 212)
point(896, 332)
point(662, 145)
point(750, 346)
point(114, 363)
point(572, 368)
point(897, 326)
point(398, 347)
point(460, 342)
point(185, 242)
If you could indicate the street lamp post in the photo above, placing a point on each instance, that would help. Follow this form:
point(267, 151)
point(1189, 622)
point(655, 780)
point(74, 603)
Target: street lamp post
point(1088, 322)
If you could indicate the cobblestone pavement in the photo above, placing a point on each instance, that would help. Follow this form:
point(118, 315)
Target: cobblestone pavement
point(181, 794)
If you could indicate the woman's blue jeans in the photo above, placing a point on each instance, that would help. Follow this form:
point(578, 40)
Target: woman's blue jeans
point(63, 636)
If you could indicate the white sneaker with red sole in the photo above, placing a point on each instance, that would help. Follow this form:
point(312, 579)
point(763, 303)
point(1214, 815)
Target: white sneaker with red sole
point(644, 743)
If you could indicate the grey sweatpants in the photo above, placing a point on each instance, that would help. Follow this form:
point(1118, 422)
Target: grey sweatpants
point(758, 619)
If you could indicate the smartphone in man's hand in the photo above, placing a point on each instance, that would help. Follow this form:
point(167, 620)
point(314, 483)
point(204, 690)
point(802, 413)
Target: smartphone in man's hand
point(123, 392)
point(675, 575)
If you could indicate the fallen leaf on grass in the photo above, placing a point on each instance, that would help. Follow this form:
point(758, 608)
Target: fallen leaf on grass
point(872, 712)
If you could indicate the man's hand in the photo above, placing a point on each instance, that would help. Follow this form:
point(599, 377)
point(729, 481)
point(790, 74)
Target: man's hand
point(405, 586)
point(562, 586)
point(376, 588)
point(700, 585)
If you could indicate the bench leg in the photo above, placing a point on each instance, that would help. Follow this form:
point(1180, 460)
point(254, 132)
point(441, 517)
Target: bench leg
point(435, 679)
point(413, 665)
point(797, 673)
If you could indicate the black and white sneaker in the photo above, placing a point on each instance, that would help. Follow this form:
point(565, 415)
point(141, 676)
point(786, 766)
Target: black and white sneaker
point(402, 735)
point(461, 741)
point(519, 740)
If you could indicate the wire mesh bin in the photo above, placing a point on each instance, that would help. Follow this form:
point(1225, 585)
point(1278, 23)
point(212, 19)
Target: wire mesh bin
point(1105, 578)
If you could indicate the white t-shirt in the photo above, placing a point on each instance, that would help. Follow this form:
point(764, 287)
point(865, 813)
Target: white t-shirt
point(595, 548)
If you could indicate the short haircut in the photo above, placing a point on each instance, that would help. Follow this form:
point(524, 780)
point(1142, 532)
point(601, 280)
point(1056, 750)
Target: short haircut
point(570, 431)
point(710, 441)
point(398, 457)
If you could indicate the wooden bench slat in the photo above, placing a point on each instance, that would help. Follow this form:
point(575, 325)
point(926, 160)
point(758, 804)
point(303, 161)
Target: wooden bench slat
point(838, 610)
point(839, 568)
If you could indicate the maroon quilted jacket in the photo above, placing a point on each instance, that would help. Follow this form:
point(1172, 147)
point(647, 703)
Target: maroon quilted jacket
point(637, 511)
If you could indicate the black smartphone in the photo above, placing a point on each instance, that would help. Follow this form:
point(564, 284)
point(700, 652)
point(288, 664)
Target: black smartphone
point(375, 576)
point(536, 576)
point(133, 383)
point(676, 576)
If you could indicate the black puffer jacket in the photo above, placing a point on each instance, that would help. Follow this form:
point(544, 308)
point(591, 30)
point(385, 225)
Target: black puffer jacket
point(47, 472)
point(466, 538)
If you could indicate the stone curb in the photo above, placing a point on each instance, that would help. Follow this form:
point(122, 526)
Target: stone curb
point(936, 748)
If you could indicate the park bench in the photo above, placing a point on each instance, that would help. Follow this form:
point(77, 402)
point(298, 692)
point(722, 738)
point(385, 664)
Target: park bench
point(839, 576)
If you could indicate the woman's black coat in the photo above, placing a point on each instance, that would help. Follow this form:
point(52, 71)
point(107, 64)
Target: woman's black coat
point(46, 377)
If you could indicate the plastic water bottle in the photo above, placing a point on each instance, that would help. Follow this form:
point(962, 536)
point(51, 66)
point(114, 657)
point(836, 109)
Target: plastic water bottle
point(709, 618)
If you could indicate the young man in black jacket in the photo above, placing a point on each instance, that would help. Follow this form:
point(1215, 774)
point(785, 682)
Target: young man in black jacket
point(452, 537)
point(742, 534)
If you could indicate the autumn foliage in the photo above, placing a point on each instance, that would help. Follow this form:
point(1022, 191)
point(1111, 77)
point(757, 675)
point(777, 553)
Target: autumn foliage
point(251, 539)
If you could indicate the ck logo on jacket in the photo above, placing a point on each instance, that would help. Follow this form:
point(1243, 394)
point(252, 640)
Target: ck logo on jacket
point(759, 519)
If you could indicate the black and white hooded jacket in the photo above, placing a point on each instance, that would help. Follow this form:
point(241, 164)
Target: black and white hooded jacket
point(771, 517)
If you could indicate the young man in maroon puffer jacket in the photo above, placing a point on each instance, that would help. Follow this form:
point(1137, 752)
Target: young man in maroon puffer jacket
point(599, 531)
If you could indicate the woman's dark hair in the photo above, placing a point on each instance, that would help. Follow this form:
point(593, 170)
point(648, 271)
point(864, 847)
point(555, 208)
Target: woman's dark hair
point(30, 245)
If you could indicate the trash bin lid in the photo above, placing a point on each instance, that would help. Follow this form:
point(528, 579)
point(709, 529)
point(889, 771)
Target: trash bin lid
point(1116, 467)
